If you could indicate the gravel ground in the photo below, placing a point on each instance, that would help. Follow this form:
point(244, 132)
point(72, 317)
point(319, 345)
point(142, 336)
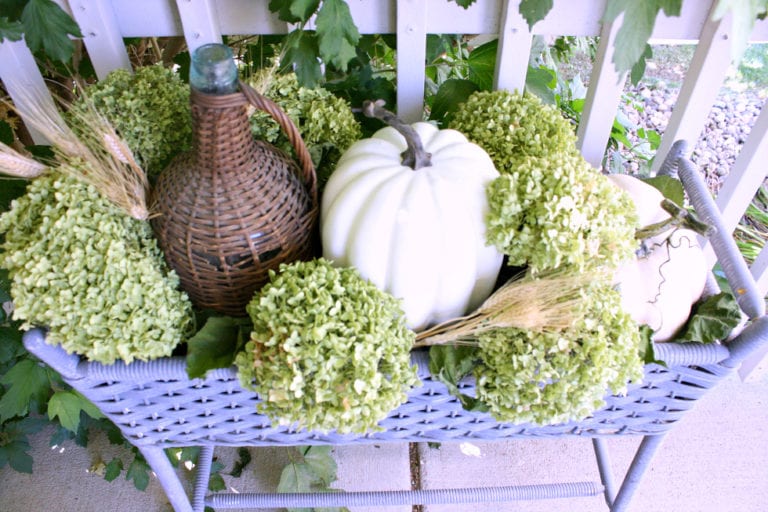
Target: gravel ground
point(728, 125)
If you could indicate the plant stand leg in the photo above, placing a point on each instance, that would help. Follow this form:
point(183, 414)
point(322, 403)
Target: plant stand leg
point(204, 461)
point(169, 479)
point(640, 463)
point(600, 445)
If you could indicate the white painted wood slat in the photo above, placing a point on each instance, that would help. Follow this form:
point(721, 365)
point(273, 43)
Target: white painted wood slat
point(605, 88)
point(700, 88)
point(514, 49)
point(101, 35)
point(412, 50)
point(200, 20)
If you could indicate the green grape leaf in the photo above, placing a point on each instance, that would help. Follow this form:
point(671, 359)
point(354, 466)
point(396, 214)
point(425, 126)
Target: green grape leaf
point(47, 27)
point(336, 33)
point(638, 69)
point(113, 469)
point(138, 471)
point(15, 454)
point(712, 319)
point(10, 30)
point(463, 3)
point(450, 95)
point(301, 53)
point(535, 10)
point(634, 33)
point(66, 405)
point(744, 13)
point(294, 11)
point(26, 382)
point(213, 346)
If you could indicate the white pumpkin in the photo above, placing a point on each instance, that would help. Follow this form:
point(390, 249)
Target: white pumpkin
point(658, 289)
point(418, 234)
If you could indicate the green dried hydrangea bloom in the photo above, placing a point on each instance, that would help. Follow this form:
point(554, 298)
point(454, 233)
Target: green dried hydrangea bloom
point(91, 274)
point(561, 213)
point(510, 126)
point(149, 109)
point(549, 208)
point(328, 351)
point(325, 121)
point(548, 378)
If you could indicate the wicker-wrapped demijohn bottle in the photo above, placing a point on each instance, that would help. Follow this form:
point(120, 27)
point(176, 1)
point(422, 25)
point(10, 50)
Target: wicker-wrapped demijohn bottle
point(233, 207)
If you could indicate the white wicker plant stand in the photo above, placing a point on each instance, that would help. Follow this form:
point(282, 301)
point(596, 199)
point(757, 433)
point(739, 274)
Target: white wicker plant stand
point(157, 406)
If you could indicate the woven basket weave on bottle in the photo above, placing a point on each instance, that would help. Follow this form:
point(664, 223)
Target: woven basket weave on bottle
point(234, 207)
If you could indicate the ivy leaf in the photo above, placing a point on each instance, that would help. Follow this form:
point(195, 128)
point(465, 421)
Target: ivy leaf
point(337, 33)
point(301, 52)
point(712, 319)
point(47, 27)
point(27, 383)
point(244, 458)
point(449, 96)
point(10, 30)
point(535, 10)
point(113, 469)
point(635, 31)
point(66, 405)
point(744, 13)
point(138, 471)
point(213, 346)
point(216, 481)
point(451, 364)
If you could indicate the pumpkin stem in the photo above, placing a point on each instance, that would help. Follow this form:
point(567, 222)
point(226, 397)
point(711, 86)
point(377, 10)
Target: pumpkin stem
point(415, 156)
point(679, 218)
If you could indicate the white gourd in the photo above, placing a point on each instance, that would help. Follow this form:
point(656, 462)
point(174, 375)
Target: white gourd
point(418, 234)
point(658, 289)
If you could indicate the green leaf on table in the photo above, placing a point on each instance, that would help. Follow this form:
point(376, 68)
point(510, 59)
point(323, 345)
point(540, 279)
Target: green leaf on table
point(669, 187)
point(450, 364)
point(449, 96)
point(535, 10)
point(634, 33)
point(10, 30)
point(337, 34)
point(302, 54)
point(712, 319)
point(67, 405)
point(26, 383)
point(214, 346)
point(47, 27)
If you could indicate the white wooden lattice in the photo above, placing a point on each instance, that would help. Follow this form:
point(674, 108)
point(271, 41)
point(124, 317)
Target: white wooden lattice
point(104, 24)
